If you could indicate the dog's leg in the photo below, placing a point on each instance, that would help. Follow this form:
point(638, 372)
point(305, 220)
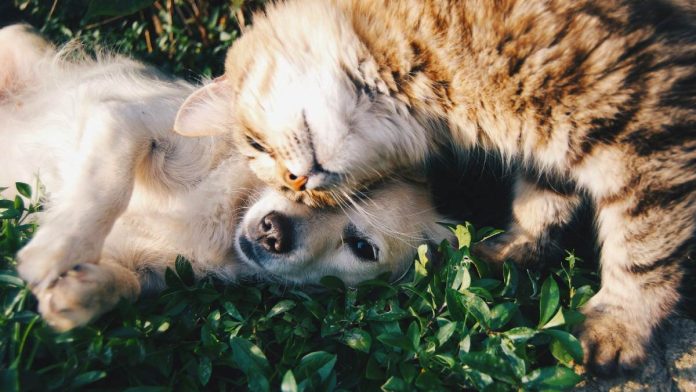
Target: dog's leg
point(85, 292)
point(112, 142)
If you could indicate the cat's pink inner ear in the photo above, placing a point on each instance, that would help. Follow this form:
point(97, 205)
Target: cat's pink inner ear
point(205, 112)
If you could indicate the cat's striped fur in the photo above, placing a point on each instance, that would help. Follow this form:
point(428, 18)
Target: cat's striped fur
point(598, 96)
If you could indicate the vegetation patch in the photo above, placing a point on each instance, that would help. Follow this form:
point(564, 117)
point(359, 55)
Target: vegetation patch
point(455, 326)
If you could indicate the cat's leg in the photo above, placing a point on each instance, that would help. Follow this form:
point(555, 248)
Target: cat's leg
point(540, 210)
point(100, 181)
point(85, 292)
point(644, 243)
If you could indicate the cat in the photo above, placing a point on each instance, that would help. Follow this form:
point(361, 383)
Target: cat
point(124, 195)
point(592, 97)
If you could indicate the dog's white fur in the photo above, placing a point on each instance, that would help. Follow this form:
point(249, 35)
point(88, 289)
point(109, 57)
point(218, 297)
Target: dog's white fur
point(124, 195)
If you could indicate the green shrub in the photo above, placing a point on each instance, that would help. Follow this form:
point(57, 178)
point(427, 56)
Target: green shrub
point(457, 326)
point(184, 37)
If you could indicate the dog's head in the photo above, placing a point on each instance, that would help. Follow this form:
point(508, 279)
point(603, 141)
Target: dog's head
point(288, 241)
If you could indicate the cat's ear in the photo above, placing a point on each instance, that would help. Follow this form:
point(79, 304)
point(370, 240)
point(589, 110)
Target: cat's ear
point(206, 112)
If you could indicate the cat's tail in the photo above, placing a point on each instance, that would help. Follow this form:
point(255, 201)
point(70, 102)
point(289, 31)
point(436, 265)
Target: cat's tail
point(21, 49)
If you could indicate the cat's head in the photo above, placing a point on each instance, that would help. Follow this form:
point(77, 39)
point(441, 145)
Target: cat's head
point(306, 105)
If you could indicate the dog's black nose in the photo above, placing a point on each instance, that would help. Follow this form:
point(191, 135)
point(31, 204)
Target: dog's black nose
point(274, 233)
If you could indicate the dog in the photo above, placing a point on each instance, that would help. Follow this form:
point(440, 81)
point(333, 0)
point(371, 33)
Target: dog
point(124, 194)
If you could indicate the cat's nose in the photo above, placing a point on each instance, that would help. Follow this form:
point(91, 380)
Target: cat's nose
point(295, 182)
point(274, 233)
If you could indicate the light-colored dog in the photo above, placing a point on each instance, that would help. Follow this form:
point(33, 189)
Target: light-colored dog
point(124, 194)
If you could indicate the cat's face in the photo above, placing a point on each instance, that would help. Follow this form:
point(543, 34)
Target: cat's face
point(315, 121)
point(315, 136)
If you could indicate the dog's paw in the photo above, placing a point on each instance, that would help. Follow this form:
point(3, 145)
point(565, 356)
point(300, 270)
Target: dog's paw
point(51, 254)
point(78, 296)
point(611, 344)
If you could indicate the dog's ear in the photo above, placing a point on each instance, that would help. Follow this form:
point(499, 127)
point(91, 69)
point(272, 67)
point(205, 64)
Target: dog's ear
point(206, 112)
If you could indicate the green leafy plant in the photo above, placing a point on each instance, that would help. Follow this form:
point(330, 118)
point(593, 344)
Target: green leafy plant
point(455, 326)
point(186, 37)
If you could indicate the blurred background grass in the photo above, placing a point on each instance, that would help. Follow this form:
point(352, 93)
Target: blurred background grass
point(185, 37)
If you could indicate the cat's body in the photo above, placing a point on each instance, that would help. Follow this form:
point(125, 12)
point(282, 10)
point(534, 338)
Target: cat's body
point(594, 97)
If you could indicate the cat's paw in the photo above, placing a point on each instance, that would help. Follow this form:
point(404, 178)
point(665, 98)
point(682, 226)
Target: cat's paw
point(612, 345)
point(78, 296)
point(518, 248)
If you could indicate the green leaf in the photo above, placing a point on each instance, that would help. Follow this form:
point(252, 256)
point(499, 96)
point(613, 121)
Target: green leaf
point(428, 381)
point(481, 266)
point(233, 311)
point(550, 299)
point(573, 317)
point(396, 384)
point(23, 189)
point(319, 363)
point(18, 204)
point(561, 354)
point(396, 340)
point(115, 8)
point(11, 280)
point(281, 307)
point(501, 314)
point(480, 379)
point(446, 360)
point(357, 339)
point(10, 213)
point(487, 232)
point(413, 334)
point(581, 296)
point(494, 365)
point(557, 377)
point(373, 370)
point(520, 335)
point(444, 333)
point(463, 236)
point(289, 384)
point(205, 370)
point(5, 204)
point(251, 360)
point(184, 270)
point(421, 264)
point(333, 282)
point(556, 320)
point(510, 279)
point(477, 307)
point(569, 342)
point(516, 363)
point(455, 306)
point(88, 378)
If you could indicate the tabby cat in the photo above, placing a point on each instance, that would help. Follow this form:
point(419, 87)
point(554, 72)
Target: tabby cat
point(593, 97)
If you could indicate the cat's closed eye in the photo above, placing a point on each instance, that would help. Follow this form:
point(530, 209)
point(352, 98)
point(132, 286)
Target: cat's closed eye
point(255, 144)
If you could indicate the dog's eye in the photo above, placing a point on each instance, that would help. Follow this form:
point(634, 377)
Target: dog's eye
point(363, 248)
point(255, 145)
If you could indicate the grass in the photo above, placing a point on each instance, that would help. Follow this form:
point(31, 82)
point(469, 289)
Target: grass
point(458, 326)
